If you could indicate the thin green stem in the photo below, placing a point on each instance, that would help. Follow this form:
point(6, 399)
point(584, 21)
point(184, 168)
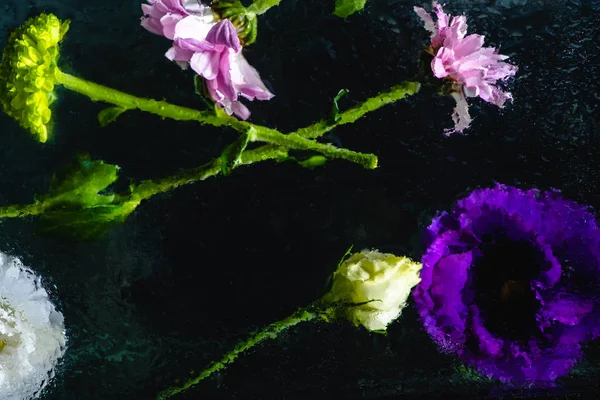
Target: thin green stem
point(349, 116)
point(150, 188)
point(163, 109)
point(259, 7)
point(269, 332)
point(297, 142)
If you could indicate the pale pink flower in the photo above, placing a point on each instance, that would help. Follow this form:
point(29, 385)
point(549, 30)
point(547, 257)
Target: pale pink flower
point(473, 69)
point(212, 49)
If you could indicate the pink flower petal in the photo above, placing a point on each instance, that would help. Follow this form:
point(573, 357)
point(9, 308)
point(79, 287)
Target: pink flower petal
point(247, 80)
point(462, 119)
point(194, 45)
point(457, 29)
point(177, 53)
point(192, 28)
point(151, 26)
point(161, 15)
point(427, 20)
point(240, 110)
point(168, 22)
point(214, 93)
point(173, 5)
point(499, 97)
point(469, 45)
point(206, 64)
point(193, 6)
point(442, 18)
point(224, 34)
point(224, 80)
point(441, 63)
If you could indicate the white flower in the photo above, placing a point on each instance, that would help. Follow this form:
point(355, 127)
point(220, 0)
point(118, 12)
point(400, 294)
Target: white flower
point(32, 334)
point(379, 283)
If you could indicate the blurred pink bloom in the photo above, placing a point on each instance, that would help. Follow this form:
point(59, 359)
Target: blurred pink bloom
point(211, 49)
point(474, 69)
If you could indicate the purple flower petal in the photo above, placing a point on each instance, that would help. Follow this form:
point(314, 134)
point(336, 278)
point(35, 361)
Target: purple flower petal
point(556, 300)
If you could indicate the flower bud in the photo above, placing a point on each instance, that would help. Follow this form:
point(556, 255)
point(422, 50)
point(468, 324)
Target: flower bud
point(244, 21)
point(373, 287)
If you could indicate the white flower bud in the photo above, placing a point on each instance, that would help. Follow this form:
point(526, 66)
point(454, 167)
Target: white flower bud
point(381, 282)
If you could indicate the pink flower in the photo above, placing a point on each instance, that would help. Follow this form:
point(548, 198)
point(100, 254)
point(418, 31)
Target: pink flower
point(473, 69)
point(213, 51)
point(161, 16)
point(218, 58)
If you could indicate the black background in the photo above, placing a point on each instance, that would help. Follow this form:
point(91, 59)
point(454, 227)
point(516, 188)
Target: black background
point(194, 271)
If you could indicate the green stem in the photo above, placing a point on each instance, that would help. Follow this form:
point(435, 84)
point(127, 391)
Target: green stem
point(349, 116)
point(277, 150)
point(259, 7)
point(150, 188)
point(270, 152)
point(270, 332)
point(297, 142)
point(163, 109)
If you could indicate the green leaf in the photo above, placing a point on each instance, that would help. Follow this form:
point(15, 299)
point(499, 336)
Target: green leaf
point(334, 114)
point(85, 223)
point(79, 204)
point(314, 161)
point(80, 183)
point(232, 154)
point(109, 115)
point(345, 8)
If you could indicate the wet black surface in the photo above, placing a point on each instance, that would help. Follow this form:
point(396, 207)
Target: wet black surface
point(194, 271)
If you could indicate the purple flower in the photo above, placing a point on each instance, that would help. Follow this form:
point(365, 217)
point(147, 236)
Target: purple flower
point(472, 68)
point(212, 49)
point(510, 281)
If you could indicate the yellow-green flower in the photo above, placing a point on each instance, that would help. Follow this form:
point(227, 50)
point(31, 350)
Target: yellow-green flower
point(27, 72)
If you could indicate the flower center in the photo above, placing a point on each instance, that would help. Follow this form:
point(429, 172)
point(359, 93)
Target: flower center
point(502, 279)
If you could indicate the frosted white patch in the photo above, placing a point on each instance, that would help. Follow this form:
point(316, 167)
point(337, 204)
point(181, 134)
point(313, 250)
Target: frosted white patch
point(32, 333)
